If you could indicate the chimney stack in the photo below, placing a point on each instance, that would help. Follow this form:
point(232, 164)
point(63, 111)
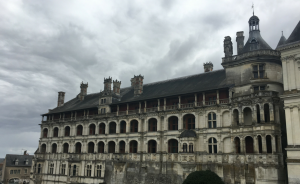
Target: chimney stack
point(61, 98)
point(107, 84)
point(116, 87)
point(137, 84)
point(208, 67)
point(228, 46)
point(240, 41)
point(83, 90)
point(25, 152)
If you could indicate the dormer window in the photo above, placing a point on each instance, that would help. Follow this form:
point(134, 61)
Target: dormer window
point(16, 162)
point(258, 71)
point(103, 101)
point(26, 161)
point(254, 45)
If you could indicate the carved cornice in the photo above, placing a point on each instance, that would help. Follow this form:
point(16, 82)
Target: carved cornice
point(287, 58)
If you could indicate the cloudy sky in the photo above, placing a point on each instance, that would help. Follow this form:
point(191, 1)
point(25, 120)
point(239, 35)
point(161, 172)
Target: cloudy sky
point(51, 46)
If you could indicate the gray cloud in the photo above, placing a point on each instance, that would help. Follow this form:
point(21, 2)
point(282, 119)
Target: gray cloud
point(51, 46)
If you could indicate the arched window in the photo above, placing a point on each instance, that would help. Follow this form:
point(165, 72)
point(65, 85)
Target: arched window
point(267, 112)
point(258, 113)
point(55, 132)
point(236, 117)
point(111, 147)
point(67, 131)
point(184, 148)
point(133, 146)
point(43, 149)
point(79, 130)
point(151, 146)
point(92, 129)
point(134, 126)
point(247, 116)
point(123, 127)
point(212, 145)
point(173, 146)
point(237, 143)
point(45, 133)
point(91, 147)
point(173, 123)
point(269, 144)
point(152, 125)
point(99, 167)
point(189, 121)
point(112, 127)
point(102, 128)
point(54, 148)
point(78, 147)
point(259, 144)
point(249, 144)
point(121, 147)
point(100, 147)
point(212, 120)
point(191, 148)
point(66, 148)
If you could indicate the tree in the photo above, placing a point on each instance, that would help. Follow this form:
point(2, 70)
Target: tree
point(203, 177)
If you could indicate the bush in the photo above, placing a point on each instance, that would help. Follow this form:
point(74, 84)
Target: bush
point(203, 177)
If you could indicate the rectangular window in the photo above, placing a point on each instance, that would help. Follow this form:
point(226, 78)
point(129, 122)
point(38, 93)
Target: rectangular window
point(11, 172)
point(258, 71)
point(25, 171)
point(210, 148)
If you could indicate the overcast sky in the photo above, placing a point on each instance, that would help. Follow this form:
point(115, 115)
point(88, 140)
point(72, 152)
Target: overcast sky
point(51, 46)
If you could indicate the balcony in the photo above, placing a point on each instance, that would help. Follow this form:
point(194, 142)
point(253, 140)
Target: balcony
point(148, 110)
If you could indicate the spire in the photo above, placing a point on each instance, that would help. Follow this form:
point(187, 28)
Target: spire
point(282, 40)
point(253, 8)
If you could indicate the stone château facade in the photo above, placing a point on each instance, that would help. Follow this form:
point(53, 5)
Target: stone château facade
point(229, 121)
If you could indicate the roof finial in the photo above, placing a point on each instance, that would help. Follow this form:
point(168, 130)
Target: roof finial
point(253, 8)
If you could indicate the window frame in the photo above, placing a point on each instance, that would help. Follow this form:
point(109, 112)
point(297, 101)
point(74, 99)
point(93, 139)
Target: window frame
point(259, 71)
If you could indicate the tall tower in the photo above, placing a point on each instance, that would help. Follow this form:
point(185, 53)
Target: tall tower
point(107, 84)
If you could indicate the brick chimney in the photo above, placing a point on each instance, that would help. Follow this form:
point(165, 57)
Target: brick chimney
point(116, 87)
point(83, 90)
point(240, 41)
point(137, 84)
point(107, 84)
point(208, 67)
point(61, 98)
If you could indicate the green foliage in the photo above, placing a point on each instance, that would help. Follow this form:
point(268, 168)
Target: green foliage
point(203, 177)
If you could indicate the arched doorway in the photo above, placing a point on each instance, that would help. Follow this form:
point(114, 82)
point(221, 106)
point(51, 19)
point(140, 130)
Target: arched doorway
point(173, 146)
point(249, 144)
point(152, 146)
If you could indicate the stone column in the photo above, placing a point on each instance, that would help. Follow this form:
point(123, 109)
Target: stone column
point(203, 101)
point(127, 109)
point(289, 127)
point(145, 109)
point(96, 147)
point(159, 123)
point(158, 104)
point(165, 103)
point(219, 116)
point(273, 144)
point(127, 147)
point(83, 166)
point(106, 128)
point(195, 99)
point(118, 127)
point(254, 114)
point(271, 112)
point(117, 148)
point(127, 127)
point(218, 100)
point(279, 146)
point(296, 125)
point(243, 145)
point(93, 170)
point(197, 121)
point(255, 142)
point(277, 116)
point(139, 126)
point(140, 107)
point(179, 102)
point(180, 122)
point(118, 109)
point(264, 144)
point(241, 116)
point(166, 124)
point(262, 113)
point(105, 147)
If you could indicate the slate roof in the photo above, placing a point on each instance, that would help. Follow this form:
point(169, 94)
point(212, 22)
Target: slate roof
point(262, 43)
point(295, 36)
point(183, 85)
point(188, 133)
point(10, 160)
point(281, 41)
